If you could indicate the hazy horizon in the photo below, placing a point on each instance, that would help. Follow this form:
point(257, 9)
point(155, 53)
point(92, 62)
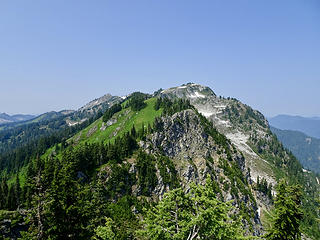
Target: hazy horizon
point(61, 55)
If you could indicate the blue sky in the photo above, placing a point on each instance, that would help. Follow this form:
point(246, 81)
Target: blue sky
point(58, 55)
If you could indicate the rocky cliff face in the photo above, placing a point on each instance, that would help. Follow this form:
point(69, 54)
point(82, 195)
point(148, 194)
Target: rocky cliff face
point(249, 132)
point(197, 154)
point(225, 114)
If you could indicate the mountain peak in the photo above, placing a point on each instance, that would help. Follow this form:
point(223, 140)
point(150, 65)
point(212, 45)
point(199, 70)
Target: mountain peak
point(98, 103)
point(190, 91)
point(4, 115)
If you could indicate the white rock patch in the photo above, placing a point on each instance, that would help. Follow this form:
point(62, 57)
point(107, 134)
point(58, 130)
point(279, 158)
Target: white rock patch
point(206, 113)
point(240, 140)
point(197, 95)
point(223, 122)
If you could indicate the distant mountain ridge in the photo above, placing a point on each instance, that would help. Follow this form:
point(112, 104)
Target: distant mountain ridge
point(309, 126)
point(6, 118)
point(17, 134)
point(304, 147)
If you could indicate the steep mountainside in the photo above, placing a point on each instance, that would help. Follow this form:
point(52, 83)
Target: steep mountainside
point(233, 119)
point(305, 148)
point(249, 132)
point(124, 162)
point(198, 150)
point(309, 126)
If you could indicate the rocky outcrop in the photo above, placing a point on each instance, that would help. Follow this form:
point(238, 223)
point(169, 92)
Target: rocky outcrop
point(196, 155)
point(183, 136)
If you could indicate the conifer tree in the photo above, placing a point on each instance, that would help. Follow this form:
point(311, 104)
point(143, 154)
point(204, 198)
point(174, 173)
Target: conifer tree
point(133, 132)
point(105, 232)
point(287, 213)
point(11, 200)
point(17, 190)
point(194, 215)
point(3, 193)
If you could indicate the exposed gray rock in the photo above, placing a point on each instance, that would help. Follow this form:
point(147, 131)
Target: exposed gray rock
point(186, 142)
point(103, 126)
point(111, 122)
point(92, 130)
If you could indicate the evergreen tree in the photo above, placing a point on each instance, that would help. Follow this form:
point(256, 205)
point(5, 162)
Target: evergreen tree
point(149, 129)
point(11, 200)
point(105, 232)
point(287, 213)
point(194, 215)
point(3, 193)
point(36, 191)
point(133, 132)
point(17, 190)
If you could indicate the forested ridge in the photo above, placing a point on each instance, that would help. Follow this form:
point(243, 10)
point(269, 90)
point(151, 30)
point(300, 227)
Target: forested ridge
point(18, 150)
point(305, 148)
point(85, 190)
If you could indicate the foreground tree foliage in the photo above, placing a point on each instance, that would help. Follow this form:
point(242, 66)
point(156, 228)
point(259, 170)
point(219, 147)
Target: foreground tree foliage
point(287, 214)
point(105, 232)
point(197, 214)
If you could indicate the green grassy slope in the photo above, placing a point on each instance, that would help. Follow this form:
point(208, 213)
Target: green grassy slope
point(125, 120)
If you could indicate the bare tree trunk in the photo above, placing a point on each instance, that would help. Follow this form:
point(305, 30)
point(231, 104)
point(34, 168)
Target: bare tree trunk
point(193, 233)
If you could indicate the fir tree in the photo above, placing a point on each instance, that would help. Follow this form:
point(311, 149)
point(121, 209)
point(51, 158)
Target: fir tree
point(287, 214)
point(17, 190)
point(194, 215)
point(3, 193)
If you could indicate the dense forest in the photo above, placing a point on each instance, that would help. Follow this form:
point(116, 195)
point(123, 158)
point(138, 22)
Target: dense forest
point(18, 151)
